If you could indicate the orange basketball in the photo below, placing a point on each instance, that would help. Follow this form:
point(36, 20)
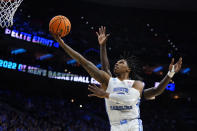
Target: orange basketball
point(60, 24)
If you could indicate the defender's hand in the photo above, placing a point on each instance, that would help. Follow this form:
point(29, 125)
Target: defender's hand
point(98, 92)
point(174, 68)
point(177, 66)
point(102, 37)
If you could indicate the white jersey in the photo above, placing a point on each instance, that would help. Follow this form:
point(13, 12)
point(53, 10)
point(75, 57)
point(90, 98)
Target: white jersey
point(122, 109)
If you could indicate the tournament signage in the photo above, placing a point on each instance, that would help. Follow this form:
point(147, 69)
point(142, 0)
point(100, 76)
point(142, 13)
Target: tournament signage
point(31, 38)
point(46, 73)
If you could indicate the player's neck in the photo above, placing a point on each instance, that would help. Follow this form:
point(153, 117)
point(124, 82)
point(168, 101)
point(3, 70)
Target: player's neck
point(123, 77)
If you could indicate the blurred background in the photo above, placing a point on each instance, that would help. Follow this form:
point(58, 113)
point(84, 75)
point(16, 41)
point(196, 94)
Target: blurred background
point(42, 88)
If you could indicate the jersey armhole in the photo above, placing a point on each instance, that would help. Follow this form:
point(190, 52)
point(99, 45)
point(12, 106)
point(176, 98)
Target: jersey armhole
point(142, 97)
point(109, 84)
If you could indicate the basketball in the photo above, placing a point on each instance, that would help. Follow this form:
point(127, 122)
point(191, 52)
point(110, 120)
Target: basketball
point(60, 24)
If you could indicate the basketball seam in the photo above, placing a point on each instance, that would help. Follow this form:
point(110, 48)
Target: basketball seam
point(69, 26)
point(65, 28)
point(59, 25)
point(51, 25)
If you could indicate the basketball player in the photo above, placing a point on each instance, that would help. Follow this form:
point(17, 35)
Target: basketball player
point(121, 94)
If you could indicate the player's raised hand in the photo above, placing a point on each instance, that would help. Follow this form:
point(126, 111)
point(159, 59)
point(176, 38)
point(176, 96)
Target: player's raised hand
point(177, 66)
point(102, 36)
point(98, 92)
point(174, 68)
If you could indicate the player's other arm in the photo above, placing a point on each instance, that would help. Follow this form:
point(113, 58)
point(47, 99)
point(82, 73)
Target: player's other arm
point(155, 91)
point(94, 72)
point(126, 99)
point(102, 39)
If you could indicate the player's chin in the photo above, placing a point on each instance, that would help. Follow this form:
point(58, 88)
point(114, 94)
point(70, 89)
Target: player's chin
point(115, 72)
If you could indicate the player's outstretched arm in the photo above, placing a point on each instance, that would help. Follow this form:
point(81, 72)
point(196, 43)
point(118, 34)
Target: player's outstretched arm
point(120, 98)
point(94, 72)
point(155, 91)
point(102, 39)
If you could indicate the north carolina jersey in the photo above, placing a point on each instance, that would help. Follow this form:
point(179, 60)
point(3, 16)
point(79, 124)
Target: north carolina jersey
point(118, 111)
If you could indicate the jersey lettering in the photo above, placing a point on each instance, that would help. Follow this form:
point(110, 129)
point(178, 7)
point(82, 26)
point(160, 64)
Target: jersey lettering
point(121, 89)
point(120, 107)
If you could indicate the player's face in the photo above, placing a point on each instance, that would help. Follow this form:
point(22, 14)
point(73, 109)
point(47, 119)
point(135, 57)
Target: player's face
point(120, 67)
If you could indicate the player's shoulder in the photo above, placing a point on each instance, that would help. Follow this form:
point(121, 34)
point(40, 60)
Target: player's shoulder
point(138, 82)
point(138, 85)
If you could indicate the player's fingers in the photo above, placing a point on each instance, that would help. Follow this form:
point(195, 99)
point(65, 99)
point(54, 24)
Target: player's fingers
point(100, 32)
point(100, 29)
point(107, 35)
point(178, 68)
point(90, 95)
point(97, 34)
point(56, 37)
point(94, 86)
point(104, 29)
point(52, 34)
point(90, 86)
point(172, 62)
point(90, 89)
point(180, 65)
point(59, 32)
point(180, 60)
